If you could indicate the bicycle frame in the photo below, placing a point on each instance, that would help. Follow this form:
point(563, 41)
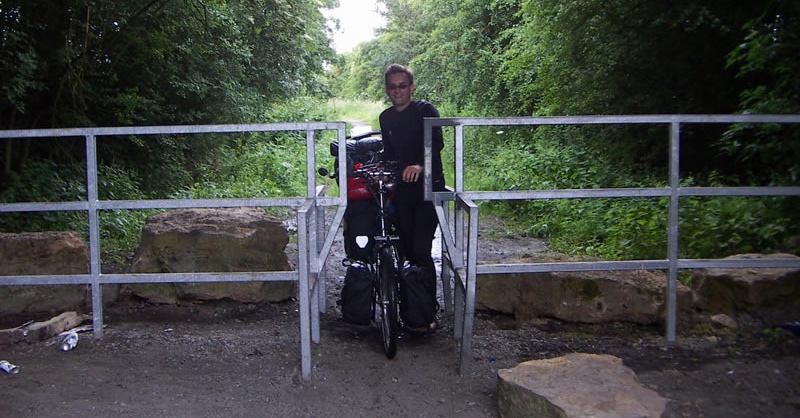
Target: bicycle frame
point(386, 262)
point(381, 185)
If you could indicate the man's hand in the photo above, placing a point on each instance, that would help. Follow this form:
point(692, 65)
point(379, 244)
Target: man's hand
point(412, 173)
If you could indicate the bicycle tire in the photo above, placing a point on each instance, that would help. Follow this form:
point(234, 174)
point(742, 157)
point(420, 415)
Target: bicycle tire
point(387, 301)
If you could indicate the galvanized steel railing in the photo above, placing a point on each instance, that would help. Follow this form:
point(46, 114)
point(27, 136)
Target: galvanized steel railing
point(460, 249)
point(459, 234)
point(314, 242)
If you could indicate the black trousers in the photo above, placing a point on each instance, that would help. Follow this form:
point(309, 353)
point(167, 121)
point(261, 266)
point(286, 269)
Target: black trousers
point(416, 224)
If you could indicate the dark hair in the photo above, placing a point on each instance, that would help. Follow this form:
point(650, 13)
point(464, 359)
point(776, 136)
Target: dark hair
point(398, 69)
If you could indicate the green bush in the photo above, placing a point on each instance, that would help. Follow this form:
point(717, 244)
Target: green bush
point(266, 164)
point(723, 226)
point(46, 181)
point(272, 165)
point(615, 228)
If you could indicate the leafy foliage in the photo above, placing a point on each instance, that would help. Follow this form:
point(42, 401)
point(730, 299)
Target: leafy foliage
point(45, 181)
point(547, 57)
point(151, 62)
point(154, 62)
point(768, 65)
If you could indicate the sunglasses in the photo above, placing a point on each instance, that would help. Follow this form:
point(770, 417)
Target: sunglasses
point(396, 86)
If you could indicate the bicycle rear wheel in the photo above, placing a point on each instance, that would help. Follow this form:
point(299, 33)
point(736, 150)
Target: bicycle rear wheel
point(387, 302)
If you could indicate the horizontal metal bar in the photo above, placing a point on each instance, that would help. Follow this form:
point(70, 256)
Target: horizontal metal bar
point(567, 193)
point(610, 119)
point(153, 204)
point(43, 206)
point(331, 201)
point(631, 193)
point(739, 191)
point(335, 201)
point(250, 276)
point(254, 276)
point(737, 263)
point(299, 126)
point(170, 130)
point(67, 279)
point(572, 266)
point(783, 263)
point(200, 203)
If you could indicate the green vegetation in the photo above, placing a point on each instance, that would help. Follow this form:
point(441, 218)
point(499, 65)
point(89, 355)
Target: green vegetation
point(546, 57)
point(360, 110)
point(145, 62)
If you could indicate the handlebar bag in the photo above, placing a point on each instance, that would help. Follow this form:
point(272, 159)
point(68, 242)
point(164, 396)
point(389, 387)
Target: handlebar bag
point(366, 146)
point(362, 151)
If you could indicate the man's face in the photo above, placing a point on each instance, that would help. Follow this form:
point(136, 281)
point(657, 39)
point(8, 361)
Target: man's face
point(399, 90)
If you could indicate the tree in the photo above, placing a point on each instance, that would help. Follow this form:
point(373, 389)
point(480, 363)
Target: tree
point(463, 53)
point(767, 63)
point(151, 62)
point(629, 57)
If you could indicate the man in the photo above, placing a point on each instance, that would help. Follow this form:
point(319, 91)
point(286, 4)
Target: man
point(403, 137)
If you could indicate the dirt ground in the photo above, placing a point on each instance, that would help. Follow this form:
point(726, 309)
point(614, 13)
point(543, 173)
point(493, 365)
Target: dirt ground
point(243, 360)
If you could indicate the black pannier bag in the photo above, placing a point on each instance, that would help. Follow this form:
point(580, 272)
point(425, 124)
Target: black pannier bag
point(417, 297)
point(360, 218)
point(357, 295)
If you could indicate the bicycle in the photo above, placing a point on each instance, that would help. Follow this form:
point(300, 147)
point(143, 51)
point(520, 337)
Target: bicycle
point(370, 186)
point(386, 261)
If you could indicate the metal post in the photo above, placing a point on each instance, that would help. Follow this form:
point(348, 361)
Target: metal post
point(94, 235)
point(312, 250)
point(303, 289)
point(471, 279)
point(459, 286)
point(447, 282)
point(672, 235)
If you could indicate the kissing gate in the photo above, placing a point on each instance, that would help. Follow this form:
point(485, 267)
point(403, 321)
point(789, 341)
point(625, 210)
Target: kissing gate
point(457, 211)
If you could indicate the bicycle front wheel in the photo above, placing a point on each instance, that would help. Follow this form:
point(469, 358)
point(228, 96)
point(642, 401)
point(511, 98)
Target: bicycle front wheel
point(387, 299)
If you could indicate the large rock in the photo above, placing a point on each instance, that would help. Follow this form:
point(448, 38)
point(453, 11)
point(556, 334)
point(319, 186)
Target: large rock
point(213, 240)
point(589, 297)
point(43, 253)
point(771, 293)
point(575, 385)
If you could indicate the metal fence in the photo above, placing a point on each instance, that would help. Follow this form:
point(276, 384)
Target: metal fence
point(459, 228)
point(314, 242)
point(461, 243)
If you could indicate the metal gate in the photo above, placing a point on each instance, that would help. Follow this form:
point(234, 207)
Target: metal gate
point(314, 242)
point(459, 226)
point(461, 242)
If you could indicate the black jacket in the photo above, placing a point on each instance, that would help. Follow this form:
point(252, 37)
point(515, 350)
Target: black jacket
point(404, 142)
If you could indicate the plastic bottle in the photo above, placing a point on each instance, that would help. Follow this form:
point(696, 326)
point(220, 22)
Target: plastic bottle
point(8, 367)
point(69, 341)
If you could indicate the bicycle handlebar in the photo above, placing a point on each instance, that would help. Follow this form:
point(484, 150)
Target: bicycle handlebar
point(386, 169)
